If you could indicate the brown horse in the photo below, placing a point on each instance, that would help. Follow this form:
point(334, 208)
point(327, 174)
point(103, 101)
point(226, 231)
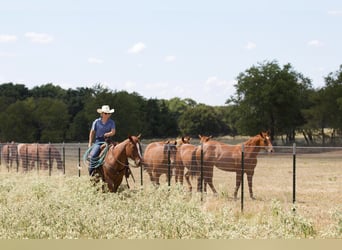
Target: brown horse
point(156, 157)
point(28, 155)
point(117, 161)
point(43, 154)
point(185, 158)
point(9, 153)
point(228, 158)
point(48, 153)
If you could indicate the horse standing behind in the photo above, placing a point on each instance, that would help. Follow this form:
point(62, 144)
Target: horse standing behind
point(117, 162)
point(47, 154)
point(185, 158)
point(43, 154)
point(9, 153)
point(228, 158)
point(156, 158)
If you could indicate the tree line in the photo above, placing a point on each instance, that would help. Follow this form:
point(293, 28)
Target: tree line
point(267, 96)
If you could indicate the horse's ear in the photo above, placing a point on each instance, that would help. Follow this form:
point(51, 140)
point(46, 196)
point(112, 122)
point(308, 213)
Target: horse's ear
point(262, 134)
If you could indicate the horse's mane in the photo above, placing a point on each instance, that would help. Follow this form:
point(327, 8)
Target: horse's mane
point(120, 146)
point(251, 141)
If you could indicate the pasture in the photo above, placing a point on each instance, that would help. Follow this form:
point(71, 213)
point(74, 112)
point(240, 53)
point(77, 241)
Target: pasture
point(35, 205)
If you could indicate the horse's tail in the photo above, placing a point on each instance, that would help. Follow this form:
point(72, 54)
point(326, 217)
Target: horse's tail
point(57, 156)
point(195, 166)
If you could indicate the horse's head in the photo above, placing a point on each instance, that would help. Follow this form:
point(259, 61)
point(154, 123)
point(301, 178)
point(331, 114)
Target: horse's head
point(133, 151)
point(204, 138)
point(183, 140)
point(265, 141)
point(170, 147)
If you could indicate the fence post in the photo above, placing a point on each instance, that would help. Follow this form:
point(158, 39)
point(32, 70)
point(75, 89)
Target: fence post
point(8, 158)
point(50, 161)
point(79, 159)
point(168, 166)
point(201, 174)
point(294, 175)
point(37, 158)
point(63, 151)
point(26, 157)
point(242, 174)
point(17, 158)
point(141, 175)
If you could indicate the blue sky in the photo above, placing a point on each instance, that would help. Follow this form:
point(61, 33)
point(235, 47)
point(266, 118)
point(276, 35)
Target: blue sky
point(165, 49)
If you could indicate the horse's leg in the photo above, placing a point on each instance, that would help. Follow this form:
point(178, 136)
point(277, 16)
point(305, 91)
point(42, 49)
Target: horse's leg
point(238, 182)
point(180, 174)
point(117, 183)
point(155, 177)
point(187, 178)
point(209, 180)
point(250, 174)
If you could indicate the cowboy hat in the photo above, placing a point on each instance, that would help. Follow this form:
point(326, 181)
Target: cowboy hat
point(105, 109)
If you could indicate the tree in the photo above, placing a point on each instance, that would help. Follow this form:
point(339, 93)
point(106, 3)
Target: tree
point(201, 119)
point(333, 94)
point(270, 97)
point(17, 122)
point(51, 119)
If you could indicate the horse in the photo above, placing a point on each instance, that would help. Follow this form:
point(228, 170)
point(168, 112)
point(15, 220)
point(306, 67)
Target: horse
point(47, 154)
point(117, 161)
point(185, 158)
point(43, 154)
point(9, 153)
point(228, 158)
point(156, 157)
point(28, 155)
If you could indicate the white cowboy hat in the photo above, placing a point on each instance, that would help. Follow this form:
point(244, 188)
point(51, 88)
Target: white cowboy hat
point(105, 109)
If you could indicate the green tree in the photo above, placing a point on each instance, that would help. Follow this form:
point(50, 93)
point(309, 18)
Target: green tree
point(201, 119)
point(51, 119)
point(270, 97)
point(17, 122)
point(48, 90)
point(333, 98)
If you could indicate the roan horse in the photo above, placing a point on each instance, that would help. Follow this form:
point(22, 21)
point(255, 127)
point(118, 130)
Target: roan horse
point(228, 158)
point(156, 157)
point(117, 161)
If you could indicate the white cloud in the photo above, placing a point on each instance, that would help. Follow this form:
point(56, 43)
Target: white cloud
point(5, 38)
point(94, 60)
point(219, 86)
point(335, 12)
point(170, 59)
point(315, 43)
point(130, 86)
point(250, 46)
point(39, 37)
point(137, 48)
point(5, 54)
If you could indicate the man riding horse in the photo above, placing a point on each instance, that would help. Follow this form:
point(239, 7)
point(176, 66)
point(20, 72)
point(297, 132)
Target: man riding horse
point(101, 129)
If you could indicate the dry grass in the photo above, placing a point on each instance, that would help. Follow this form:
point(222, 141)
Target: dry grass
point(318, 208)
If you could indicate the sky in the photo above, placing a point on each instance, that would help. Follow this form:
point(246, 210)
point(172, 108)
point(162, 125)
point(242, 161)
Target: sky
point(165, 49)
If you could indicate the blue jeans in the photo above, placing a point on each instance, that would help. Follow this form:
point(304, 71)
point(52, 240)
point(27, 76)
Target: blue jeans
point(93, 155)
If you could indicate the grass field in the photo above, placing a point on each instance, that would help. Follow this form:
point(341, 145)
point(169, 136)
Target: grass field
point(38, 206)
